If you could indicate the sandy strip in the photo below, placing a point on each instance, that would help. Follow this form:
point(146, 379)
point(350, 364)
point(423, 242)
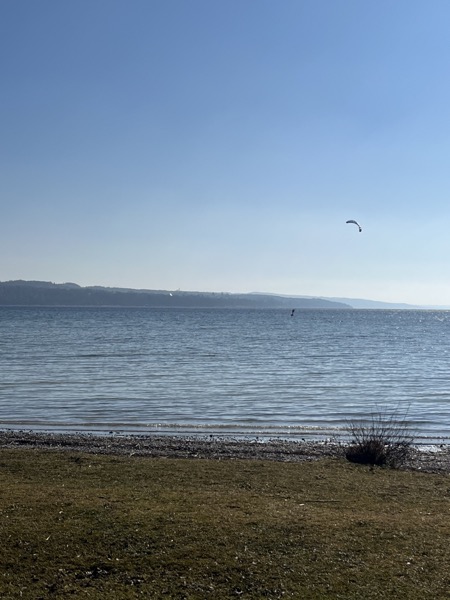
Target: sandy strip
point(212, 447)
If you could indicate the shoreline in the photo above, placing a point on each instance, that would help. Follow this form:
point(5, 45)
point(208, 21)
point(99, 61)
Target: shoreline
point(435, 460)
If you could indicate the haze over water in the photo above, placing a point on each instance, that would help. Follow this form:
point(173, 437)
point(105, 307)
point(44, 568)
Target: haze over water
point(222, 372)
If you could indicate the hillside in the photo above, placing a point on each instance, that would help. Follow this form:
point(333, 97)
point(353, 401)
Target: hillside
point(42, 293)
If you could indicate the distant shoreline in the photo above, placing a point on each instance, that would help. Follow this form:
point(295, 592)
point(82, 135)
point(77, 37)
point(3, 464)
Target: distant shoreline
point(44, 293)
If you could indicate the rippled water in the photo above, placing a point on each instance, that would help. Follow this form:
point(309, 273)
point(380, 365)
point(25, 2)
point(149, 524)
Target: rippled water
point(256, 372)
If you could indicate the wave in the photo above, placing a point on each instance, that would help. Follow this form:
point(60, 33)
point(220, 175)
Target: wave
point(236, 431)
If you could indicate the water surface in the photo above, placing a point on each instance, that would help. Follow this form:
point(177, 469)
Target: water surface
point(238, 372)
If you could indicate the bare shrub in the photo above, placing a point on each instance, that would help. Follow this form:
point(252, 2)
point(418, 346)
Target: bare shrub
point(384, 439)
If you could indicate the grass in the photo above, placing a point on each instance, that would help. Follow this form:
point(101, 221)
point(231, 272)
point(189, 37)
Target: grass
point(84, 526)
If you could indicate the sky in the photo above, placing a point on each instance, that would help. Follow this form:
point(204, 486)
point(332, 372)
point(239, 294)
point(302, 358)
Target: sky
point(221, 145)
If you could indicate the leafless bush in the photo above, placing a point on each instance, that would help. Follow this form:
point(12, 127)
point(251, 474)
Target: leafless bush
point(383, 439)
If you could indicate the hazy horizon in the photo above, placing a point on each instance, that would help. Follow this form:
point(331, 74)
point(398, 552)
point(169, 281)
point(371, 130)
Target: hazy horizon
point(223, 146)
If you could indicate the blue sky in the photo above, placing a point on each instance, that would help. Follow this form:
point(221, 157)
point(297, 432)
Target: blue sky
point(220, 145)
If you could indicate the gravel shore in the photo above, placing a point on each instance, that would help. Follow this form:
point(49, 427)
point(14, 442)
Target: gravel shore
point(436, 460)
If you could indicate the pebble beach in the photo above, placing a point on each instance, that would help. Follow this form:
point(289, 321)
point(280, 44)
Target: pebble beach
point(431, 459)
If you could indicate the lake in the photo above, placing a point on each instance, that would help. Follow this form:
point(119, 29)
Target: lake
point(221, 372)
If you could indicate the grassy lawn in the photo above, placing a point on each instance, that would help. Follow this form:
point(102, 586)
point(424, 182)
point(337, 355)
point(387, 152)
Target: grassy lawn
point(85, 526)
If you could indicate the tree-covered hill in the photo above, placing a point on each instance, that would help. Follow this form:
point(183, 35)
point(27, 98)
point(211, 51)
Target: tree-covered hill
point(42, 293)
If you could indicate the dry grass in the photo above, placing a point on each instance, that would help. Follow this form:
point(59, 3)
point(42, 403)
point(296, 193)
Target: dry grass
point(84, 526)
point(384, 439)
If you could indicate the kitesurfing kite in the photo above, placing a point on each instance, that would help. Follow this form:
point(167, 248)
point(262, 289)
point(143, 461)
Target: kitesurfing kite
point(356, 223)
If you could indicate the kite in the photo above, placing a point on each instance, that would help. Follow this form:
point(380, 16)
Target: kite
point(356, 223)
